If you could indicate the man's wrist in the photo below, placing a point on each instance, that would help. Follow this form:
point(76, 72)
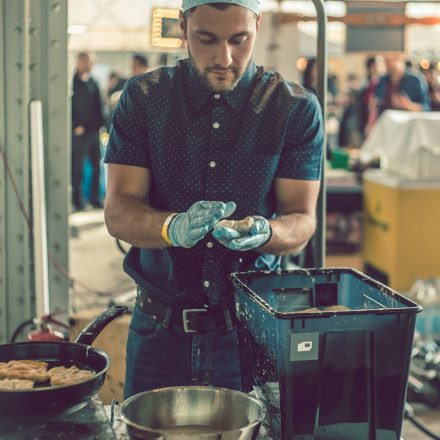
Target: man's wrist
point(268, 238)
point(166, 229)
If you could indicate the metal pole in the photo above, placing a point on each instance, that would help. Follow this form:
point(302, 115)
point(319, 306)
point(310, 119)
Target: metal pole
point(319, 239)
point(39, 211)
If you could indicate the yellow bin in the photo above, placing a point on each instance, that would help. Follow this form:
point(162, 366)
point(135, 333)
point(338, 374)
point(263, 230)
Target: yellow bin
point(401, 241)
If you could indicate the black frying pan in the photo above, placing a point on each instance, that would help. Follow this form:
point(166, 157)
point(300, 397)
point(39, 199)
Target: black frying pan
point(46, 400)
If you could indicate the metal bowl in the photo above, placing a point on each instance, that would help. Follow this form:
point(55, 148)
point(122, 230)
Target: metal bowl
point(183, 413)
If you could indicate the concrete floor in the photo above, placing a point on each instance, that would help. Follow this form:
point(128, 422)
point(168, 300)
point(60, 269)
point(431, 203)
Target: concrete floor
point(96, 265)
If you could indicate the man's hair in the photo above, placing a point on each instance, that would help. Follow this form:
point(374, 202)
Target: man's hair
point(370, 61)
point(140, 59)
point(82, 55)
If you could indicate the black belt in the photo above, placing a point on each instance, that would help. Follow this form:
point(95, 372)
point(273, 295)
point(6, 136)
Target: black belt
point(188, 320)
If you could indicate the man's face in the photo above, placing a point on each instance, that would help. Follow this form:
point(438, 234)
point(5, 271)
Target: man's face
point(393, 62)
point(84, 64)
point(137, 68)
point(220, 43)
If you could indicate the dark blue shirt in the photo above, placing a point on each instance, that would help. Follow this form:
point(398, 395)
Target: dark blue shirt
point(413, 85)
point(204, 146)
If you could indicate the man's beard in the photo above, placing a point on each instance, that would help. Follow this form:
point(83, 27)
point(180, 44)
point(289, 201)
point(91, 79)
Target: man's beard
point(221, 86)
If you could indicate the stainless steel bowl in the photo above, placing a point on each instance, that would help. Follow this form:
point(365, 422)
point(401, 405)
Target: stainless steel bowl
point(183, 413)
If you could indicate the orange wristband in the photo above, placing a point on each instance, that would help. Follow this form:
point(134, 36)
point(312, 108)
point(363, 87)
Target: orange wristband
point(165, 229)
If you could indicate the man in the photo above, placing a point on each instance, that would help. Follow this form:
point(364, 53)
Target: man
point(139, 65)
point(213, 137)
point(87, 119)
point(400, 89)
point(367, 107)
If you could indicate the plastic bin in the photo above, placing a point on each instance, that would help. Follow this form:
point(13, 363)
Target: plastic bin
point(329, 374)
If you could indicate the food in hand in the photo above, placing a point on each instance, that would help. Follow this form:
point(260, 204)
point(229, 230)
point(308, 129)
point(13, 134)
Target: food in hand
point(34, 371)
point(242, 226)
point(16, 384)
point(67, 376)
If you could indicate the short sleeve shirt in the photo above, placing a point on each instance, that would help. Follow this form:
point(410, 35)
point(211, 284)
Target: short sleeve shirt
point(411, 84)
point(201, 145)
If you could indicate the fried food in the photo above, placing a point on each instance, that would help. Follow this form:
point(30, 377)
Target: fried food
point(16, 384)
point(311, 310)
point(336, 308)
point(34, 371)
point(242, 226)
point(39, 365)
point(67, 376)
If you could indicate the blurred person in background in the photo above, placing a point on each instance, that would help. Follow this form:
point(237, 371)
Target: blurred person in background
point(139, 65)
point(367, 104)
point(212, 137)
point(310, 75)
point(432, 75)
point(115, 86)
point(400, 88)
point(349, 133)
point(87, 119)
point(310, 80)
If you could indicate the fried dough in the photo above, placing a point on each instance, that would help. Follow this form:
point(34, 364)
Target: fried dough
point(38, 365)
point(16, 384)
point(34, 371)
point(336, 308)
point(311, 310)
point(67, 376)
point(242, 226)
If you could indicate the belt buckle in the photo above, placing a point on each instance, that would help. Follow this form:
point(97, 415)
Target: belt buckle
point(185, 313)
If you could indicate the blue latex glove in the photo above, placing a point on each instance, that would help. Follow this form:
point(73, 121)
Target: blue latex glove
point(187, 228)
point(259, 234)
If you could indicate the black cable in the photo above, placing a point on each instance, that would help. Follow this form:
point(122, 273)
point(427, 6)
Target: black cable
point(120, 247)
point(19, 329)
point(409, 414)
point(112, 411)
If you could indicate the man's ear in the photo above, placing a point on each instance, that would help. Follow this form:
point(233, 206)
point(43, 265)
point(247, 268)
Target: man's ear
point(182, 23)
point(259, 18)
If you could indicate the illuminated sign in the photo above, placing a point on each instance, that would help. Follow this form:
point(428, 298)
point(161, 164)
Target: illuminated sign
point(166, 28)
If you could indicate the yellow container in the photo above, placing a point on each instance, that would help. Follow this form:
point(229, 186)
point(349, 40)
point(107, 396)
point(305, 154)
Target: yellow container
point(401, 241)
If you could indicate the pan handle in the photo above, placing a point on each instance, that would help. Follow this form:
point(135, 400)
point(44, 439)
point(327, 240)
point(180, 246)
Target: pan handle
point(94, 328)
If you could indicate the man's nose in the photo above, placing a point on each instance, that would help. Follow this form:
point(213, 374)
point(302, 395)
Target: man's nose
point(223, 57)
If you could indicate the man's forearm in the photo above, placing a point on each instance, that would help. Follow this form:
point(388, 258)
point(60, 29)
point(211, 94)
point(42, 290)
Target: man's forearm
point(290, 233)
point(135, 222)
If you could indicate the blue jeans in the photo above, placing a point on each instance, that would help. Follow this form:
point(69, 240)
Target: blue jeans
point(159, 356)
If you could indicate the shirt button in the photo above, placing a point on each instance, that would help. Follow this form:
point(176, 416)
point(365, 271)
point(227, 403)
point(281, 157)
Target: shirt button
point(240, 260)
point(206, 283)
point(212, 164)
point(209, 244)
point(216, 125)
point(217, 96)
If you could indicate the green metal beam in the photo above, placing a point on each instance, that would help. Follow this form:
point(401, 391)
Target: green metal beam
point(33, 66)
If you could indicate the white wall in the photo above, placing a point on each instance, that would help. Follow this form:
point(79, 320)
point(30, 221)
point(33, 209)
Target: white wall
point(287, 53)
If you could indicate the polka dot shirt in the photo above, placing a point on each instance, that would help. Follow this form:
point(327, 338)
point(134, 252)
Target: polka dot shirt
point(199, 145)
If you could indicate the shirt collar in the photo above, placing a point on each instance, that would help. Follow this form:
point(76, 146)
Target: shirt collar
point(200, 94)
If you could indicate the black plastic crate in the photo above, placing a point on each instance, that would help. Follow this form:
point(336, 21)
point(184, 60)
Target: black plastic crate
point(325, 375)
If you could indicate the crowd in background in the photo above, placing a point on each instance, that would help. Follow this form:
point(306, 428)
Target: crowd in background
point(389, 83)
point(92, 113)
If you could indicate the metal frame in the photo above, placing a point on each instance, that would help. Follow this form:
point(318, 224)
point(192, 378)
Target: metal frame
point(56, 112)
point(322, 57)
point(3, 287)
point(33, 66)
point(16, 298)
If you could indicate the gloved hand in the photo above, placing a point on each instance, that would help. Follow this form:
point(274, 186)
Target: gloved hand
point(187, 228)
point(259, 234)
